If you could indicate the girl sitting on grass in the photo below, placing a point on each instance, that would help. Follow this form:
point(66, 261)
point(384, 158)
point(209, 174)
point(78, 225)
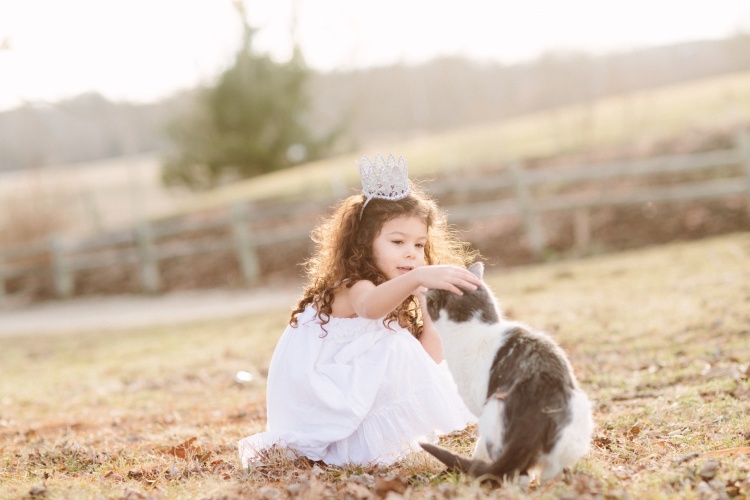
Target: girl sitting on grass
point(358, 376)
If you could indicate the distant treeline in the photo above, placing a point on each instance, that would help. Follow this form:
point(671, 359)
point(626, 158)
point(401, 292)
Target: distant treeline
point(392, 102)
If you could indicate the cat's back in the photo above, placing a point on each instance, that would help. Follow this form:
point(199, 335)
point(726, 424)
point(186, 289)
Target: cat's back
point(524, 355)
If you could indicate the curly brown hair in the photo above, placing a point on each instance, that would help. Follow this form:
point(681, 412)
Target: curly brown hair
point(343, 251)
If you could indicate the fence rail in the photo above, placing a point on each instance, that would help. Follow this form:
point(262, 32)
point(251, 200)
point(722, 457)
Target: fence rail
point(520, 192)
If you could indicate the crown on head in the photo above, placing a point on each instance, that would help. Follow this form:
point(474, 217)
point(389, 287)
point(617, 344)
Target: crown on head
point(384, 179)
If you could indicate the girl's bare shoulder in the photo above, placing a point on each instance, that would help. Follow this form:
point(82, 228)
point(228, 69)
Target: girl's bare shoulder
point(342, 301)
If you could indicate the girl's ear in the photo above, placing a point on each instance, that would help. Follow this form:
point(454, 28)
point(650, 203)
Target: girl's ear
point(477, 269)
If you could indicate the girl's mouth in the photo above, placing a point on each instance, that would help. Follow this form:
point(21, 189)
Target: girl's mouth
point(404, 270)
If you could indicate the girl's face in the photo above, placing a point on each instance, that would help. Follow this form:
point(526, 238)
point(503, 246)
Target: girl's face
point(399, 247)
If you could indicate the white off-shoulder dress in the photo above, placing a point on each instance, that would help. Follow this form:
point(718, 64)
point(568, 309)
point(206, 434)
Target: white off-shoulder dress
point(354, 393)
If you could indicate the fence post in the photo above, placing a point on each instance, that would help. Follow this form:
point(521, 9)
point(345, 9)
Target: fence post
point(582, 229)
point(148, 265)
point(243, 244)
point(61, 273)
point(523, 197)
point(2, 277)
point(89, 204)
point(743, 145)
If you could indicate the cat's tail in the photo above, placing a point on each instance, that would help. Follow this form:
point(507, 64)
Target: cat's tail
point(540, 411)
point(455, 463)
point(518, 457)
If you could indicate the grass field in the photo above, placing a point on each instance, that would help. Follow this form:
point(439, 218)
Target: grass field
point(632, 119)
point(117, 192)
point(659, 338)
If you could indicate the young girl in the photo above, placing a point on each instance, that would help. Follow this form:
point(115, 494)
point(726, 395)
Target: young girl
point(358, 376)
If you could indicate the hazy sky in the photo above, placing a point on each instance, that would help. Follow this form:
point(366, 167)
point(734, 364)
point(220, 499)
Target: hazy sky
point(141, 50)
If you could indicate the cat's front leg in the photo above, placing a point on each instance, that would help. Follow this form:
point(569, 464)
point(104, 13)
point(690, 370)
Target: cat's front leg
point(489, 444)
point(480, 450)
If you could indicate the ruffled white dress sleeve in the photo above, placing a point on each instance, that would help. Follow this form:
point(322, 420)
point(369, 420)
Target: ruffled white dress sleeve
point(354, 393)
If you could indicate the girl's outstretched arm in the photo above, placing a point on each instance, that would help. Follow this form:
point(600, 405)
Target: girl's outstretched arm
point(373, 302)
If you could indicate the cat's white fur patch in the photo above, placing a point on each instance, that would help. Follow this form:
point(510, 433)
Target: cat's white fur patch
point(488, 446)
point(574, 441)
point(469, 362)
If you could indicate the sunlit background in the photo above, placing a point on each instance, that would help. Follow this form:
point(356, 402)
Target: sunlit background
point(465, 89)
point(141, 51)
point(162, 163)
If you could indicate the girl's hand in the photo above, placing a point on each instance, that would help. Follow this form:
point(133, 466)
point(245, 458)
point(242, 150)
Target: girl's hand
point(369, 301)
point(448, 278)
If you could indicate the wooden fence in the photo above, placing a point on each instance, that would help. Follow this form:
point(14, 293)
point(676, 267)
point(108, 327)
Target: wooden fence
point(513, 191)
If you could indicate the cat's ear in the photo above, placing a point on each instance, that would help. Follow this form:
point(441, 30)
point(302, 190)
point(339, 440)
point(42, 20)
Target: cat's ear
point(477, 269)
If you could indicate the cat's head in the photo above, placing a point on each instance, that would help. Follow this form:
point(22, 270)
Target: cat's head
point(479, 303)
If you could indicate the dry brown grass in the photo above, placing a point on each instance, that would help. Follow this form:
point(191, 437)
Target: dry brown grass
point(84, 197)
point(659, 339)
point(33, 211)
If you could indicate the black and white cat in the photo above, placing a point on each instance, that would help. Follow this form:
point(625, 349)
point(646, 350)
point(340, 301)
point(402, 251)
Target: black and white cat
point(531, 412)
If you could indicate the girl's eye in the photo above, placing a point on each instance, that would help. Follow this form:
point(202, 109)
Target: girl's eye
point(397, 242)
point(420, 245)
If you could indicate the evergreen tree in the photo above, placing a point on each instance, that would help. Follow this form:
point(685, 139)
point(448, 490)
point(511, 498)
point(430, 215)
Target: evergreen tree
point(249, 123)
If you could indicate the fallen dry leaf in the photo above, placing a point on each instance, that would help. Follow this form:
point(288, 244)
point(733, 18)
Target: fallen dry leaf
point(603, 442)
point(356, 491)
point(187, 451)
point(383, 486)
point(634, 431)
point(38, 491)
point(112, 476)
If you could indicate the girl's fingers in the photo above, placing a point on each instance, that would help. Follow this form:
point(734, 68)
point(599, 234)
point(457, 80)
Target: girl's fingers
point(467, 276)
point(457, 278)
point(469, 284)
point(455, 288)
point(473, 279)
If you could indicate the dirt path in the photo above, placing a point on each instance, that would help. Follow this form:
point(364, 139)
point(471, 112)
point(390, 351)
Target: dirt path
point(114, 312)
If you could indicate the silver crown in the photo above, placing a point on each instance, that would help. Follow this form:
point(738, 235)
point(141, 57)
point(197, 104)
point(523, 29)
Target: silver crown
point(384, 179)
